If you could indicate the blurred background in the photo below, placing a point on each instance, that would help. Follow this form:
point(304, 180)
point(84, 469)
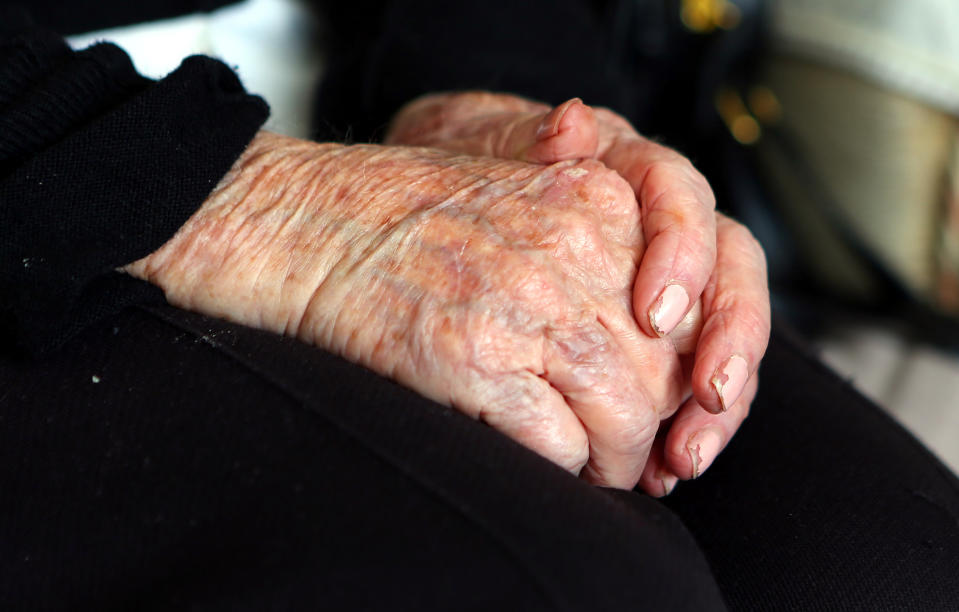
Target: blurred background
point(833, 132)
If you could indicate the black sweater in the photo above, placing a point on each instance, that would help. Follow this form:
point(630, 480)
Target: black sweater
point(99, 167)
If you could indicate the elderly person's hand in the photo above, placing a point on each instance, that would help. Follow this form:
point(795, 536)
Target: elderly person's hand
point(684, 282)
point(498, 287)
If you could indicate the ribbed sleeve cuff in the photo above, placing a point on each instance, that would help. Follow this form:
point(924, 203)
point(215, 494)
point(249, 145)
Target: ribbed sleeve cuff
point(99, 167)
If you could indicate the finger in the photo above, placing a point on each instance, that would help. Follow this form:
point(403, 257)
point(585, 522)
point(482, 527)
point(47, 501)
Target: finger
point(679, 226)
point(657, 479)
point(436, 118)
point(736, 312)
point(568, 131)
point(696, 437)
point(529, 410)
point(587, 366)
point(495, 128)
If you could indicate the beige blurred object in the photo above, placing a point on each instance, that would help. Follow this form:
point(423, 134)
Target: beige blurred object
point(949, 237)
point(870, 105)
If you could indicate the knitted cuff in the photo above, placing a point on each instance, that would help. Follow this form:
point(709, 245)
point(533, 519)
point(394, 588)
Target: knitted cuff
point(99, 167)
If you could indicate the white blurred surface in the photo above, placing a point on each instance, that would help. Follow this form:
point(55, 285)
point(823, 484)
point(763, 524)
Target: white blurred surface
point(909, 46)
point(917, 384)
point(272, 44)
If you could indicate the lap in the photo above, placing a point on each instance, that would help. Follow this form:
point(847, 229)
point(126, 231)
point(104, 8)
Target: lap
point(213, 465)
point(821, 499)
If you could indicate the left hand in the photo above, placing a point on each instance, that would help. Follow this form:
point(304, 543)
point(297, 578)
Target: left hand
point(500, 288)
point(702, 280)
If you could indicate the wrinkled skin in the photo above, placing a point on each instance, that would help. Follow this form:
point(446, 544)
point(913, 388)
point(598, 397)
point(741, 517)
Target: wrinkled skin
point(710, 265)
point(501, 288)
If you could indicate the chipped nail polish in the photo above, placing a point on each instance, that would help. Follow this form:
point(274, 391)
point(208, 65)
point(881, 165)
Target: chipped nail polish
point(730, 380)
point(669, 483)
point(669, 309)
point(703, 448)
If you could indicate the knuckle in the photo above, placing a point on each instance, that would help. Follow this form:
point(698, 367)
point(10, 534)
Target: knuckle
point(743, 238)
point(535, 290)
point(581, 237)
point(613, 120)
point(668, 219)
point(526, 413)
point(630, 431)
point(584, 346)
point(572, 452)
point(676, 176)
point(669, 168)
point(750, 317)
point(696, 247)
point(604, 188)
point(739, 242)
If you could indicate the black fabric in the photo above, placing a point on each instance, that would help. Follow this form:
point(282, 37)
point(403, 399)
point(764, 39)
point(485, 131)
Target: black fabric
point(99, 167)
point(74, 18)
point(202, 465)
point(169, 461)
point(407, 48)
point(634, 56)
point(823, 502)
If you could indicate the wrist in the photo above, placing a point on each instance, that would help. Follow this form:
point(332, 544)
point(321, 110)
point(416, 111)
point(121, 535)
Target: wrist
point(288, 215)
point(231, 258)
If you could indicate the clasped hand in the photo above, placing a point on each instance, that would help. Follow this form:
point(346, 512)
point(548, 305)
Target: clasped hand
point(541, 298)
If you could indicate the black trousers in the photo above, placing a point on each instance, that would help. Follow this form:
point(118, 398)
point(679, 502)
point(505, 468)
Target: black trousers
point(167, 461)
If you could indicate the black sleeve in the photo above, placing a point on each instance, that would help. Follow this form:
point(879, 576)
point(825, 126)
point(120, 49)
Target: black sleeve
point(99, 166)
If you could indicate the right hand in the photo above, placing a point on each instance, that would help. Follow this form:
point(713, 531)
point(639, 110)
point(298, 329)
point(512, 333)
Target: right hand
point(497, 287)
point(702, 279)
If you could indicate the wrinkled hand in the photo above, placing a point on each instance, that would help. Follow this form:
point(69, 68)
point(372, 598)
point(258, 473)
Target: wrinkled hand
point(501, 288)
point(702, 278)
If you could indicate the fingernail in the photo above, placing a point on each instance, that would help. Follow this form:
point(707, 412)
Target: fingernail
point(668, 310)
point(703, 448)
point(553, 121)
point(730, 380)
point(669, 483)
